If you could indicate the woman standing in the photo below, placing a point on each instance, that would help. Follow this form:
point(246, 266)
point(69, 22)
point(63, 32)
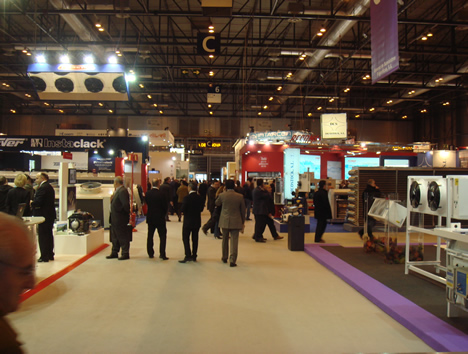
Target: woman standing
point(18, 195)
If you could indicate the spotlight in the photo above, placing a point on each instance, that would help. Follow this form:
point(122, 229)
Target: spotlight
point(111, 152)
point(130, 77)
point(64, 59)
point(88, 59)
point(112, 59)
point(144, 138)
point(211, 56)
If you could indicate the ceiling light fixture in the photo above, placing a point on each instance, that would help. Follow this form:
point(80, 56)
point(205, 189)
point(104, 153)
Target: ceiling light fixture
point(279, 88)
point(271, 98)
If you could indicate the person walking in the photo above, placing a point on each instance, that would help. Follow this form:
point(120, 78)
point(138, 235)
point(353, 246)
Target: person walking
point(44, 205)
point(247, 192)
point(371, 192)
point(260, 210)
point(210, 224)
point(271, 213)
point(156, 219)
point(322, 210)
point(192, 206)
point(120, 230)
point(231, 221)
point(182, 191)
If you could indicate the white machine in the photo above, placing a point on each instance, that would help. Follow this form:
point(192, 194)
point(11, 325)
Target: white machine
point(428, 195)
point(444, 197)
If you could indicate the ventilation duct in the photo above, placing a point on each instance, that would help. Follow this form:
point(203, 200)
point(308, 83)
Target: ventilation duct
point(79, 82)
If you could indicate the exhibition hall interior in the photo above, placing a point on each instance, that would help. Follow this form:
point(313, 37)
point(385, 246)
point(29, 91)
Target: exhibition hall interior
point(343, 122)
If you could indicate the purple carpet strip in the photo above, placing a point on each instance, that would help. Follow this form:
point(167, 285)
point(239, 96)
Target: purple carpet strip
point(436, 333)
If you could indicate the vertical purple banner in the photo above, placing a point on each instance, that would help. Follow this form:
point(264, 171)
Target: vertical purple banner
point(384, 38)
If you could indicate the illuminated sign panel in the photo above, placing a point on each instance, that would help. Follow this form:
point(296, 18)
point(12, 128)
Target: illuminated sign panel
point(333, 126)
point(291, 171)
point(209, 144)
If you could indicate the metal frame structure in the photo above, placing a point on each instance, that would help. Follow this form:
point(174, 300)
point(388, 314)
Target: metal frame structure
point(262, 43)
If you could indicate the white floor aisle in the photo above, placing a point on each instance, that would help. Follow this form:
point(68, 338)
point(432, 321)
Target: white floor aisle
point(275, 301)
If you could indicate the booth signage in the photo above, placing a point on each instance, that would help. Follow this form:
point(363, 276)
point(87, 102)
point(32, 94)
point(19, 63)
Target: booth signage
point(291, 171)
point(303, 138)
point(333, 126)
point(67, 155)
point(72, 143)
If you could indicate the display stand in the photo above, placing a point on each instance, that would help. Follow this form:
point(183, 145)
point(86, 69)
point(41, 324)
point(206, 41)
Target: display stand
point(338, 199)
point(70, 243)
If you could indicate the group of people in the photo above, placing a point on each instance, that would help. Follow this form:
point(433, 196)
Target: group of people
point(34, 202)
point(229, 206)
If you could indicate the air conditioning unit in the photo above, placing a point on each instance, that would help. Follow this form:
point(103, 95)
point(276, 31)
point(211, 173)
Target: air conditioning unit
point(79, 82)
point(428, 195)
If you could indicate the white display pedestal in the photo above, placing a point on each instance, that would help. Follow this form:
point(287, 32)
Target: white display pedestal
point(81, 245)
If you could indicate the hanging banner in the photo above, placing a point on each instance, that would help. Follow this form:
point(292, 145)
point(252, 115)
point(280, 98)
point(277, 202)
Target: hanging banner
point(291, 170)
point(384, 38)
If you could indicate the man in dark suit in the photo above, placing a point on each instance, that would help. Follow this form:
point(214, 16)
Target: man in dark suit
point(120, 230)
point(156, 219)
point(192, 206)
point(44, 205)
point(260, 210)
point(322, 210)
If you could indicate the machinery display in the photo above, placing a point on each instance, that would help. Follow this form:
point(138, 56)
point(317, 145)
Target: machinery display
point(442, 197)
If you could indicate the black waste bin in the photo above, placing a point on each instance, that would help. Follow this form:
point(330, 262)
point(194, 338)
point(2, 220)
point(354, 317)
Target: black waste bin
point(296, 233)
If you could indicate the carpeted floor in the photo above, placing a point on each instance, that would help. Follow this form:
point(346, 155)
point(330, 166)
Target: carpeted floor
point(425, 293)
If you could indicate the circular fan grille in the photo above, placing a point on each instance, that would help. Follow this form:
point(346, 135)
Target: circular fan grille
point(119, 84)
point(94, 85)
point(64, 85)
point(415, 194)
point(39, 83)
point(433, 196)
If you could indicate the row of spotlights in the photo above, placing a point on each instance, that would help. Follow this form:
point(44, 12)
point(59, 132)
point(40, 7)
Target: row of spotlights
point(65, 59)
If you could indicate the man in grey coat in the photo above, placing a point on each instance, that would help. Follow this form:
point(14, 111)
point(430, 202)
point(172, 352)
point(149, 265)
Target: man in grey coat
point(231, 221)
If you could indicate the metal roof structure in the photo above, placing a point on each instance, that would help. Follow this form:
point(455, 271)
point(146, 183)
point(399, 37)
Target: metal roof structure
point(318, 51)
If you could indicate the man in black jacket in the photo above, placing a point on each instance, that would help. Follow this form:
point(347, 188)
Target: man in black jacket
point(166, 189)
point(247, 192)
point(4, 188)
point(156, 219)
point(322, 210)
point(261, 211)
point(192, 206)
point(44, 205)
point(211, 206)
point(120, 230)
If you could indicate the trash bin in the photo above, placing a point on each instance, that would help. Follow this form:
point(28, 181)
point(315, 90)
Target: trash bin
point(296, 233)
